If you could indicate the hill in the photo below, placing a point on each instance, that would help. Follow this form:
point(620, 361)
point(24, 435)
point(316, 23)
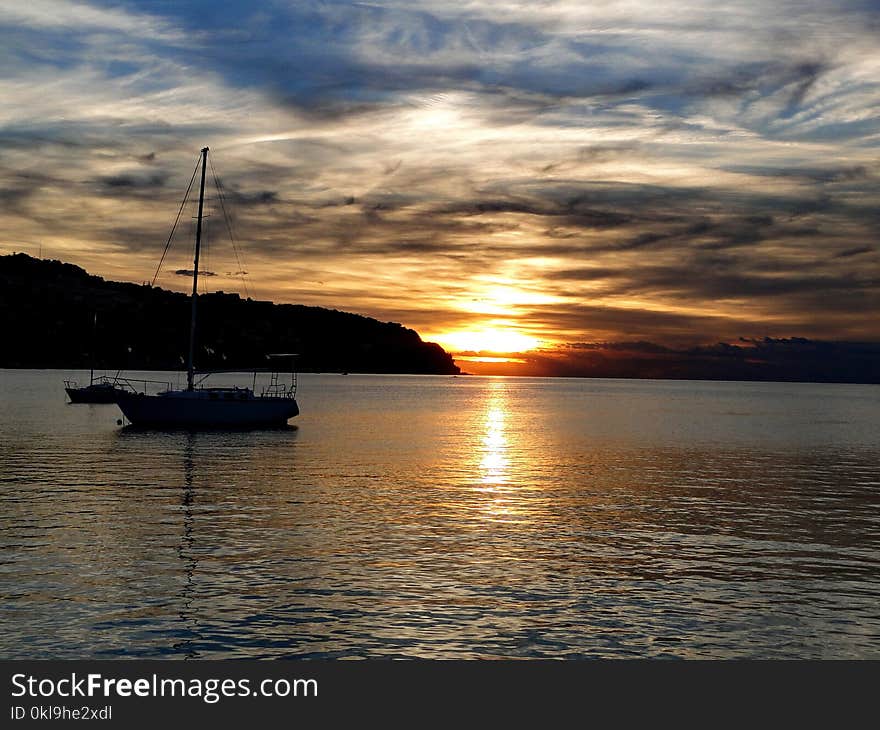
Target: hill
point(47, 310)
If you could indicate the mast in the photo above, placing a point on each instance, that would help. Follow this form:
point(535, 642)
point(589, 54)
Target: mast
point(190, 368)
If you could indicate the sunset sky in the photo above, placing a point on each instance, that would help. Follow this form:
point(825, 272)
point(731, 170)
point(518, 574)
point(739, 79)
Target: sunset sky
point(522, 181)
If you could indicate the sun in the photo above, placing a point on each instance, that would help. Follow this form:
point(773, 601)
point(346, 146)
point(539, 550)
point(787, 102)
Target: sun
point(487, 340)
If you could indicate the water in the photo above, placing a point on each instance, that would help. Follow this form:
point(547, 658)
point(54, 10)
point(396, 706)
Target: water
point(449, 518)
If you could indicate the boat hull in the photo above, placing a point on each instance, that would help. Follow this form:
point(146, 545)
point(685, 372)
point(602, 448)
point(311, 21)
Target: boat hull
point(159, 411)
point(92, 394)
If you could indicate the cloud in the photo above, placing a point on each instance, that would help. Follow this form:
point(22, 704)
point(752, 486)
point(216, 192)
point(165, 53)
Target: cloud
point(855, 251)
point(189, 272)
point(82, 16)
point(784, 359)
point(677, 172)
point(134, 181)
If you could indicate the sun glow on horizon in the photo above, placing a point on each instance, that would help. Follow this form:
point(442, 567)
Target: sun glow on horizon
point(487, 359)
point(492, 340)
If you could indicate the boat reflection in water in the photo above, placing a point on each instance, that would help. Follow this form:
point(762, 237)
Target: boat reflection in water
point(188, 555)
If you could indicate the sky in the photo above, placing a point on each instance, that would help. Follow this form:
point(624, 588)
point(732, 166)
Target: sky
point(537, 186)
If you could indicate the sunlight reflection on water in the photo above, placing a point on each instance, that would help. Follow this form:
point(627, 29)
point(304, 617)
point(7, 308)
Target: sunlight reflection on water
point(449, 517)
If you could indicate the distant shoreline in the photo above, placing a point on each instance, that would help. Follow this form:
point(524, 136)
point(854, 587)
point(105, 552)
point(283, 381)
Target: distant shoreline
point(56, 315)
point(246, 371)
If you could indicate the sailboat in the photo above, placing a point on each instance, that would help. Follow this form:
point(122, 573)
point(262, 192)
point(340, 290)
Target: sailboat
point(199, 406)
point(99, 390)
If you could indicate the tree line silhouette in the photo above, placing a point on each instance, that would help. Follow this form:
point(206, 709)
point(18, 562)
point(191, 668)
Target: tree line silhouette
point(47, 310)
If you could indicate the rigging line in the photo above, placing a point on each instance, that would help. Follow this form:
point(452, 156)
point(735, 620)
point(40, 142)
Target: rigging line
point(176, 220)
point(239, 258)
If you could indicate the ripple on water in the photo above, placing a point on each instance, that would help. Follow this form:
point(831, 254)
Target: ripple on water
point(441, 517)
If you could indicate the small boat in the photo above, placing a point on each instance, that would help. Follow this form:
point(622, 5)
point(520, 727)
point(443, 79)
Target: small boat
point(99, 390)
point(210, 407)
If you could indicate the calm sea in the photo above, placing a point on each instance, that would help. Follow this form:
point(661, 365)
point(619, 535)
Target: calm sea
point(451, 518)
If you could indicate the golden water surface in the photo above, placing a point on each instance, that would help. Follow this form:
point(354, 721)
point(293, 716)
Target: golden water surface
point(449, 517)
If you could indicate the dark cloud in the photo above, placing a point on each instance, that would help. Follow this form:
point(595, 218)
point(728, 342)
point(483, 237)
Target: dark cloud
point(638, 346)
point(844, 173)
point(759, 75)
point(638, 321)
point(783, 359)
point(700, 277)
point(239, 197)
point(12, 198)
point(19, 188)
point(134, 181)
point(855, 251)
point(189, 272)
point(575, 210)
point(14, 193)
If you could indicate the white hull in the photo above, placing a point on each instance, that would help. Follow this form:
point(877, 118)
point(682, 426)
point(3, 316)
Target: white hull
point(198, 409)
